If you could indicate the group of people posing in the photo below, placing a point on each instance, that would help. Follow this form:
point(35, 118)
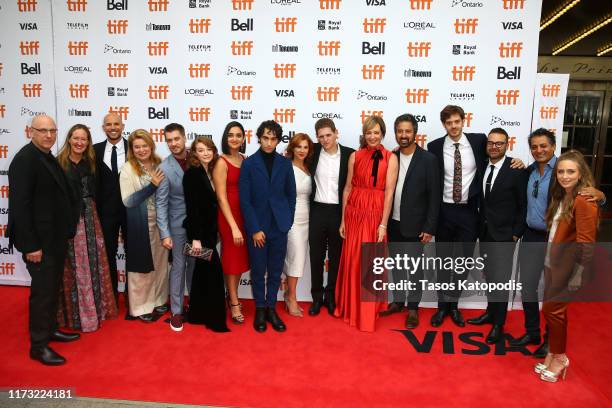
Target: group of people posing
point(276, 213)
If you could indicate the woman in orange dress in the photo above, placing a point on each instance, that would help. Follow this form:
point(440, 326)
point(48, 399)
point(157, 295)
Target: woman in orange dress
point(366, 205)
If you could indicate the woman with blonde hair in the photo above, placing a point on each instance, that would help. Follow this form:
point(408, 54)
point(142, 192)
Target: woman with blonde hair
point(146, 259)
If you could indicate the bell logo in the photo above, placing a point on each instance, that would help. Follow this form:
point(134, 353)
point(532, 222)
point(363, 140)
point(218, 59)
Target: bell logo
point(78, 91)
point(510, 50)
point(77, 5)
point(242, 4)
point(29, 47)
point(117, 26)
point(117, 70)
point(26, 5)
point(513, 4)
point(372, 71)
point(417, 95)
point(366, 114)
point(157, 48)
point(285, 24)
point(328, 48)
point(418, 49)
point(2, 110)
point(78, 47)
point(164, 113)
point(31, 90)
point(507, 96)
point(199, 114)
point(549, 90)
point(283, 115)
point(511, 142)
point(241, 93)
point(374, 25)
point(421, 140)
point(328, 94)
point(420, 4)
point(461, 73)
point(4, 191)
point(117, 4)
point(199, 70)
point(7, 268)
point(199, 25)
point(242, 47)
point(549, 112)
point(122, 111)
point(329, 4)
point(284, 70)
point(3, 151)
point(158, 5)
point(468, 119)
point(158, 91)
point(157, 135)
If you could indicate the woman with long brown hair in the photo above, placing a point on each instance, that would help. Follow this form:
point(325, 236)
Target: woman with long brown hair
point(86, 296)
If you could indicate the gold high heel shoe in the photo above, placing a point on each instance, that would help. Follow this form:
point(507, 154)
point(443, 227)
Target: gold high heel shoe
point(551, 376)
point(293, 311)
point(539, 367)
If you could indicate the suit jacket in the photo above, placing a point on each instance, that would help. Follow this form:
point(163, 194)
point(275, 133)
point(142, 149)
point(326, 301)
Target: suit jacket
point(201, 207)
point(504, 210)
point(478, 141)
point(345, 152)
point(263, 197)
point(420, 201)
point(169, 198)
point(108, 192)
point(43, 208)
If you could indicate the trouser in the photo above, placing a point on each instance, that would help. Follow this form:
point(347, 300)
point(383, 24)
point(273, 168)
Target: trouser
point(531, 264)
point(111, 224)
point(181, 271)
point(398, 275)
point(324, 235)
point(555, 314)
point(498, 269)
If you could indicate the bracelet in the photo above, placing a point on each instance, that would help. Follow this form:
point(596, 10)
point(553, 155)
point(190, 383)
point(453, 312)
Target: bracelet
point(383, 226)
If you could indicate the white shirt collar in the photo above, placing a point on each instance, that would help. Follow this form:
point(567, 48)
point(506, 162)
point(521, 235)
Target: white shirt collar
point(499, 164)
point(333, 156)
point(463, 141)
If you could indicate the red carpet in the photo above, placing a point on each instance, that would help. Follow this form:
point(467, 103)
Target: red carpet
point(317, 362)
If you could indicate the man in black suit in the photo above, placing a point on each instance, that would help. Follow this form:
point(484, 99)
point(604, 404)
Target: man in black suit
point(416, 205)
point(328, 168)
point(111, 154)
point(43, 214)
point(503, 207)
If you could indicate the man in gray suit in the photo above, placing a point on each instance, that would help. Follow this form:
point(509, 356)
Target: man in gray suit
point(170, 205)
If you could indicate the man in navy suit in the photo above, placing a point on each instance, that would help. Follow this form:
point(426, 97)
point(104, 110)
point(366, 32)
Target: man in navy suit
point(267, 201)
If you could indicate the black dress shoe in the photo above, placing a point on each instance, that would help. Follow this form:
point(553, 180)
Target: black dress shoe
point(275, 320)
point(482, 319)
point(146, 318)
point(525, 340)
point(412, 321)
point(457, 317)
point(541, 351)
point(495, 334)
point(64, 337)
point(330, 304)
point(259, 323)
point(161, 310)
point(438, 318)
point(47, 356)
point(315, 308)
point(393, 308)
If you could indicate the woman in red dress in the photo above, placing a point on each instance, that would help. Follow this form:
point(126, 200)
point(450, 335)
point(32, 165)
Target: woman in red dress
point(366, 205)
point(234, 255)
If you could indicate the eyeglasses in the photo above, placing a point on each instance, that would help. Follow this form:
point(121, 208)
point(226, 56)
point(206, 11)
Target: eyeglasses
point(50, 131)
point(496, 144)
point(536, 186)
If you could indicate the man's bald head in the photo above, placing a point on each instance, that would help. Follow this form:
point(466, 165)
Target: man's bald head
point(113, 127)
point(43, 132)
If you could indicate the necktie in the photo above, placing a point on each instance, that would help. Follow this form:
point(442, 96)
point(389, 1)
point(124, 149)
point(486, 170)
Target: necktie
point(114, 161)
point(457, 175)
point(489, 181)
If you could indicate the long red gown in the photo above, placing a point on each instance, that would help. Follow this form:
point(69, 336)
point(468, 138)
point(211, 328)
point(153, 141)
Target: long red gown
point(363, 215)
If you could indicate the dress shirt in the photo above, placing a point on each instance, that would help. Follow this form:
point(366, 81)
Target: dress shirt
point(327, 177)
point(536, 206)
point(404, 163)
point(497, 167)
point(468, 168)
point(120, 154)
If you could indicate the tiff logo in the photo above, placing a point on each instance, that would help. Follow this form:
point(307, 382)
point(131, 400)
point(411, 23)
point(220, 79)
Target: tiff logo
point(78, 91)
point(466, 25)
point(549, 112)
point(418, 49)
point(117, 70)
point(157, 135)
point(417, 95)
point(7, 268)
point(199, 70)
point(158, 91)
point(421, 140)
point(242, 4)
point(420, 4)
point(372, 71)
point(78, 47)
point(507, 96)
point(284, 70)
point(513, 4)
point(117, 26)
point(3, 230)
point(510, 50)
point(463, 73)
point(199, 25)
point(1, 68)
point(549, 90)
point(199, 114)
point(157, 48)
point(468, 118)
point(77, 5)
point(29, 47)
point(366, 114)
point(2, 110)
point(283, 115)
point(374, 25)
point(241, 93)
point(26, 5)
point(31, 90)
point(285, 24)
point(329, 4)
point(4, 191)
point(158, 5)
point(122, 111)
point(242, 47)
point(3, 151)
point(328, 48)
point(328, 94)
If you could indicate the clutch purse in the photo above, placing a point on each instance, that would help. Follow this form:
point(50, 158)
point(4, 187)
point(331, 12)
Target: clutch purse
point(204, 253)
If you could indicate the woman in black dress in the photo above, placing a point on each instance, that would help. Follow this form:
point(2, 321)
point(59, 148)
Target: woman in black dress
point(207, 297)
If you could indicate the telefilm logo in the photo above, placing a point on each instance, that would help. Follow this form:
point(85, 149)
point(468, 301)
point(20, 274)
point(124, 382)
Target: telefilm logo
point(239, 72)
point(459, 49)
point(28, 26)
point(200, 3)
point(117, 5)
point(77, 5)
point(114, 50)
point(199, 47)
point(462, 96)
point(157, 27)
point(329, 25)
point(328, 70)
point(419, 25)
point(77, 26)
point(370, 97)
point(116, 91)
point(501, 122)
point(284, 48)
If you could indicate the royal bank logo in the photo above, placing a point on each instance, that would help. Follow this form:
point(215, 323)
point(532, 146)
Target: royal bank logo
point(239, 114)
point(419, 25)
point(370, 97)
point(116, 91)
point(462, 96)
point(239, 72)
point(114, 50)
point(284, 48)
point(329, 25)
point(462, 49)
point(200, 4)
point(501, 122)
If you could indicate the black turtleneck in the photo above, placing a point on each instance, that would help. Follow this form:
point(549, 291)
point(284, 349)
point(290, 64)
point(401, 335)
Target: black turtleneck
point(268, 159)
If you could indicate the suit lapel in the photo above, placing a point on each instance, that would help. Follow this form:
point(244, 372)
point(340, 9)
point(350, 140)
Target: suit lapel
point(54, 173)
point(260, 165)
point(503, 173)
point(176, 168)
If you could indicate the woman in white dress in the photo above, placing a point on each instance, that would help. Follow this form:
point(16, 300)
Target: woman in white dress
point(300, 151)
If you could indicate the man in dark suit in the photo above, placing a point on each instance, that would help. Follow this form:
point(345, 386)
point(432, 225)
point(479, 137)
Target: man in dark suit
point(503, 207)
point(43, 214)
point(328, 168)
point(416, 205)
point(111, 154)
point(267, 201)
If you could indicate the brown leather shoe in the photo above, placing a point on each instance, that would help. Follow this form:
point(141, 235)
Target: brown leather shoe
point(412, 321)
point(393, 308)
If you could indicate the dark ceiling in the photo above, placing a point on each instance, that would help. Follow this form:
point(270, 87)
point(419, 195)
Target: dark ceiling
point(581, 16)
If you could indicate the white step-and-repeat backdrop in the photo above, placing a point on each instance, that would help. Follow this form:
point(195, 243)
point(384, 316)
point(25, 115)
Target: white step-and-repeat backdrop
point(203, 63)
